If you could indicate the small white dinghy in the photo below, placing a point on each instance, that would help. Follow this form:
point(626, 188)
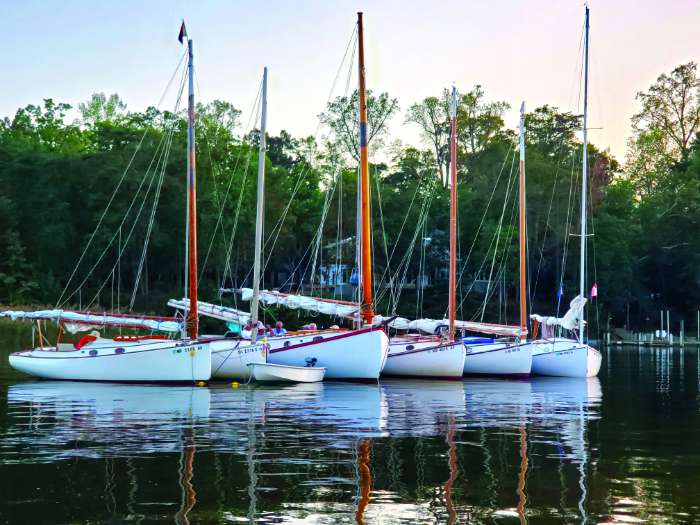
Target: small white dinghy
point(273, 373)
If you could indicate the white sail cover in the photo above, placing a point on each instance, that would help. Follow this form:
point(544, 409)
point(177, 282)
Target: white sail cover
point(430, 326)
point(224, 313)
point(571, 318)
point(83, 321)
point(312, 304)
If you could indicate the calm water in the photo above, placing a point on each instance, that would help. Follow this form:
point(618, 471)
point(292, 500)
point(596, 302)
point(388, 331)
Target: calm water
point(624, 447)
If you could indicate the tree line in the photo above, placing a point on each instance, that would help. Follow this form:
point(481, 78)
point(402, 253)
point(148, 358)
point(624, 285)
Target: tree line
point(57, 176)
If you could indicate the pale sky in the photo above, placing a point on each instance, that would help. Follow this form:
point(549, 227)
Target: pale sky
point(517, 50)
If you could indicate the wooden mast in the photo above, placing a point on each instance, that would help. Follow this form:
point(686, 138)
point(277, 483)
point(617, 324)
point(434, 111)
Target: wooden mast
point(259, 213)
point(522, 230)
point(453, 213)
point(366, 307)
point(192, 317)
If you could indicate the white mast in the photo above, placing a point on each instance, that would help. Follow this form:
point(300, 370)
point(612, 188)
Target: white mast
point(522, 228)
point(584, 179)
point(259, 213)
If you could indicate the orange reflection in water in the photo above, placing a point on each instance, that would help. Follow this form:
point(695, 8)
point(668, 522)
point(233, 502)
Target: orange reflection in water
point(363, 460)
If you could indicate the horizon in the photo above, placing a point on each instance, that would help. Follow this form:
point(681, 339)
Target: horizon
point(134, 55)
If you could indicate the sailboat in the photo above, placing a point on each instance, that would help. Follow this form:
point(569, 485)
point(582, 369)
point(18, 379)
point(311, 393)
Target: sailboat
point(507, 358)
point(357, 354)
point(435, 356)
point(128, 358)
point(558, 356)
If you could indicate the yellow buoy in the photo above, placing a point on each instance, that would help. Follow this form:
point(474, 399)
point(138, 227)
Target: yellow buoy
point(201, 383)
point(235, 384)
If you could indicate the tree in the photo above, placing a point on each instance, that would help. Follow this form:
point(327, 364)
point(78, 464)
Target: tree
point(432, 115)
point(478, 121)
point(101, 108)
point(341, 117)
point(664, 127)
point(672, 105)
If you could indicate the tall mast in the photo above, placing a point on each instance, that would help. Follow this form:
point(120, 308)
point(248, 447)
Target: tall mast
point(522, 230)
point(584, 179)
point(366, 307)
point(192, 317)
point(259, 212)
point(453, 213)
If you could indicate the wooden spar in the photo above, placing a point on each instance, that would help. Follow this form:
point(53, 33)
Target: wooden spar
point(259, 213)
point(366, 306)
point(192, 317)
point(453, 213)
point(522, 229)
point(584, 182)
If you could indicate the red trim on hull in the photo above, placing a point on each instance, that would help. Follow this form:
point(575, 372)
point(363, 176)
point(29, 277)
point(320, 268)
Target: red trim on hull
point(326, 339)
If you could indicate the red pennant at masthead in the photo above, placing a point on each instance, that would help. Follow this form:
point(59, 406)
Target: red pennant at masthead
point(183, 32)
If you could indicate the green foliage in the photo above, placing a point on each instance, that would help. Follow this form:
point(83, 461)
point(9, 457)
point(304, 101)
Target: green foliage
point(56, 177)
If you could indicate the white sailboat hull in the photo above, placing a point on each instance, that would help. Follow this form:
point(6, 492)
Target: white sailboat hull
point(230, 358)
point(498, 359)
point(271, 373)
point(356, 354)
point(108, 360)
point(564, 358)
point(429, 358)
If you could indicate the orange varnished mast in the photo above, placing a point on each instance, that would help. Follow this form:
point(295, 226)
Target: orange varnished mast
point(192, 317)
point(453, 213)
point(522, 228)
point(367, 309)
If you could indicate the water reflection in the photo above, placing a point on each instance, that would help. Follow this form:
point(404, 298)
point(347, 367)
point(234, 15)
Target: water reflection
point(411, 452)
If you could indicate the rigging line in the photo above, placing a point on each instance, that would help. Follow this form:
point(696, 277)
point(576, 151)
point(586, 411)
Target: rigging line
point(221, 206)
point(339, 234)
point(131, 230)
point(403, 224)
point(481, 224)
point(156, 155)
point(569, 220)
point(319, 234)
point(498, 238)
point(496, 235)
point(228, 271)
point(151, 220)
point(123, 222)
point(560, 159)
point(381, 221)
point(502, 266)
point(301, 261)
point(116, 189)
point(431, 191)
point(318, 237)
point(404, 264)
point(276, 230)
point(483, 216)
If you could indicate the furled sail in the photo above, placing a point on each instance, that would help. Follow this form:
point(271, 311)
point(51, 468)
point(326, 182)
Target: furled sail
point(300, 302)
point(570, 321)
point(432, 326)
point(83, 321)
point(224, 313)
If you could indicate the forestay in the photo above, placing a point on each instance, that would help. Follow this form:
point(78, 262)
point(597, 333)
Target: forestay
point(83, 321)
